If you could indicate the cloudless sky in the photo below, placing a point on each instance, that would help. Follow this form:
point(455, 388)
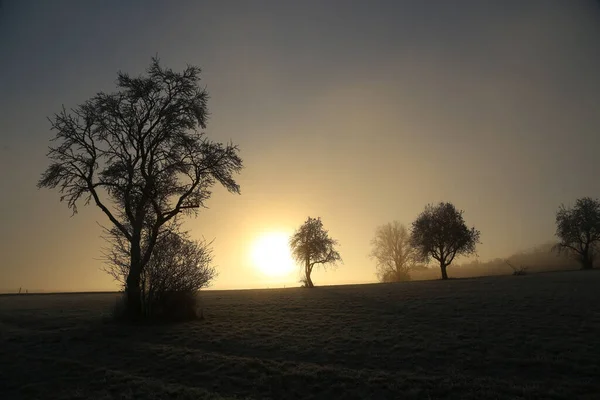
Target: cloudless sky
point(360, 112)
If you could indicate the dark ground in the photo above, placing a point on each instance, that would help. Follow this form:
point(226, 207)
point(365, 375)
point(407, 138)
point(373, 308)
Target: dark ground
point(524, 337)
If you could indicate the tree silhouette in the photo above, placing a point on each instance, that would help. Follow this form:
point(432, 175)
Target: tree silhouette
point(177, 269)
point(440, 232)
point(393, 253)
point(140, 149)
point(578, 230)
point(311, 245)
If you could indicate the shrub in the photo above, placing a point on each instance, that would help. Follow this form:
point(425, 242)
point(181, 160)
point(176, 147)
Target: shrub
point(176, 306)
point(178, 268)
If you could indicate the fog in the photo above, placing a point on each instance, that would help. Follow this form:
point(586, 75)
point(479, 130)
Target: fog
point(357, 113)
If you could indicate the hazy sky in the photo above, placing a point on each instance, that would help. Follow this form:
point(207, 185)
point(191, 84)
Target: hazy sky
point(360, 112)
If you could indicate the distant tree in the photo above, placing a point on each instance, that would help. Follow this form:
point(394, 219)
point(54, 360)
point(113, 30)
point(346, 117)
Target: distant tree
point(140, 149)
point(520, 270)
point(393, 253)
point(440, 232)
point(578, 230)
point(311, 245)
point(178, 268)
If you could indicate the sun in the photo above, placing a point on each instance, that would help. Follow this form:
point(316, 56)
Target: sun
point(271, 254)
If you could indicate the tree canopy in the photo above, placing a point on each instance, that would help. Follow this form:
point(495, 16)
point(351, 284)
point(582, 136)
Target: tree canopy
point(440, 232)
point(311, 245)
point(578, 229)
point(393, 253)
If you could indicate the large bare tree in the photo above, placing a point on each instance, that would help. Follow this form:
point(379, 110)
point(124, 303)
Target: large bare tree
point(440, 232)
point(393, 253)
point(139, 154)
point(311, 245)
point(578, 229)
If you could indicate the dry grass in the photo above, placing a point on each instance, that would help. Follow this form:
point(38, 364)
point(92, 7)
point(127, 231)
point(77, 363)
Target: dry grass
point(530, 337)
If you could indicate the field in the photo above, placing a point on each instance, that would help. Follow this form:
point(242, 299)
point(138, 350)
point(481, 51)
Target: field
point(524, 337)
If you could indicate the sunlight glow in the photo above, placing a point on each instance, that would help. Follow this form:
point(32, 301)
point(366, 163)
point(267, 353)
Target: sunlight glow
point(271, 254)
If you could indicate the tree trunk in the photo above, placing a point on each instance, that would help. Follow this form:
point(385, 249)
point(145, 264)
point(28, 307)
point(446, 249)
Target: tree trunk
point(309, 282)
point(307, 271)
point(444, 273)
point(586, 262)
point(133, 290)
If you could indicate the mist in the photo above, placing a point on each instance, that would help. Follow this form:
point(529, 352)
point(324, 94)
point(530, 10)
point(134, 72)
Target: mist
point(312, 199)
point(488, 105)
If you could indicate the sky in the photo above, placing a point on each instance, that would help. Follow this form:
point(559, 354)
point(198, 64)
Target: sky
point(359, 112)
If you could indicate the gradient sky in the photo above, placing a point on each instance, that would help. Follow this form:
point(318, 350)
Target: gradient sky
point(360, 112)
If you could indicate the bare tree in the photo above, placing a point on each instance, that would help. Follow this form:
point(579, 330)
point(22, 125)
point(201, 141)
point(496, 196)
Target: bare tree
point(393, 253)
point(440, 232)
point(177, 266)
point(520, 270)
point(578, 230)
point(140, 149)
point(311, 245)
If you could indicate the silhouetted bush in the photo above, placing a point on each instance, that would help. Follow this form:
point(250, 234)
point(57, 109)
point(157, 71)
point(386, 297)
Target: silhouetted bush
point(169, 307)
point(177, 270)
point(176, 306)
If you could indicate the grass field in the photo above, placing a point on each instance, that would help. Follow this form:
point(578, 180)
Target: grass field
point(526, 337)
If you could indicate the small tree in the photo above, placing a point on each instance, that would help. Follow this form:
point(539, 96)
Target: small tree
point(517, 271)
point(578, 230)
point(142, 150)
point(393, 253)
point(178, 268)
point(440, 232)
point(311, 245)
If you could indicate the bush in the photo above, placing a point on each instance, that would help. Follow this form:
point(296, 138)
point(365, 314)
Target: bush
point(169, 307)
point(176, 306)
point(178, 268)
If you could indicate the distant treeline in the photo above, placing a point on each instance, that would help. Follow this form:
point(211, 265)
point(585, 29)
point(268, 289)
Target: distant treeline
point(539, 259)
